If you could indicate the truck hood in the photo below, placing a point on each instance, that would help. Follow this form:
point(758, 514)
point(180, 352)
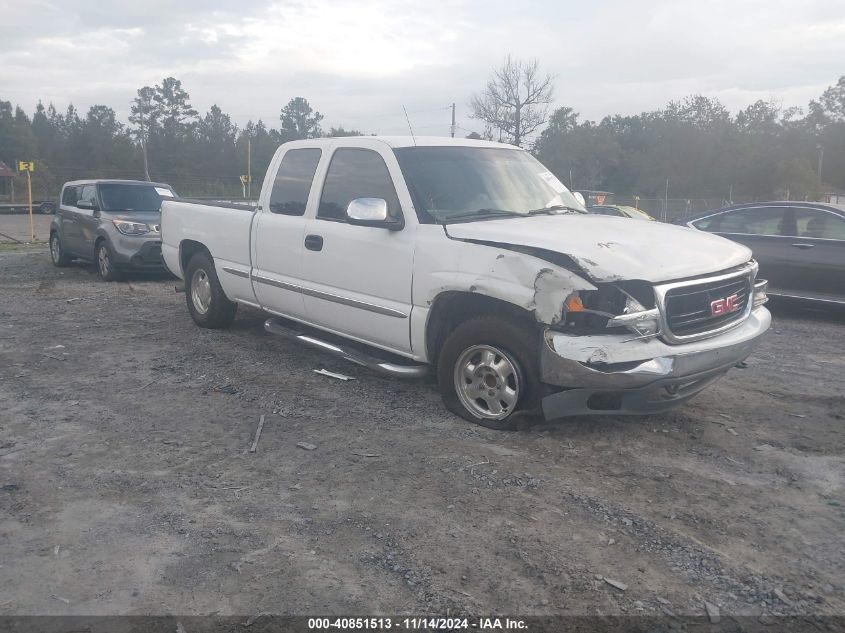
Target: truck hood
point(611, 249)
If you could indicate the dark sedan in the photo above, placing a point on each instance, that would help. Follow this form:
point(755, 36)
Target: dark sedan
point(800, 245)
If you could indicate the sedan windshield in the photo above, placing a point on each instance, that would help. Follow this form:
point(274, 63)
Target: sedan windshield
point(119, 197)
point(451, 184)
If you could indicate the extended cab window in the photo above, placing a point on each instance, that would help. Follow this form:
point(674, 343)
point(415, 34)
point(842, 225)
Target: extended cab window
point(293, 181)
point(356, 173)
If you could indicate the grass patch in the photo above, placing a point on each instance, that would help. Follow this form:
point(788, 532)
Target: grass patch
point(7, 247)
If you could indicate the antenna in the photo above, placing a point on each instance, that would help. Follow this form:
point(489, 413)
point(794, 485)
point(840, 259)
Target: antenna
point(409, 125)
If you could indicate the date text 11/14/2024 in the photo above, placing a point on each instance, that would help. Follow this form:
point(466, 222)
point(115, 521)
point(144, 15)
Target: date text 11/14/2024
point(417, 624)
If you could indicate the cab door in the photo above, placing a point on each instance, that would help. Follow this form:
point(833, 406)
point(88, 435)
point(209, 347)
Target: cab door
point(278, 234)
point(357, 279)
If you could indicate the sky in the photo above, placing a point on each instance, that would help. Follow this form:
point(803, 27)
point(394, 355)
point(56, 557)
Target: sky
point(360, 62)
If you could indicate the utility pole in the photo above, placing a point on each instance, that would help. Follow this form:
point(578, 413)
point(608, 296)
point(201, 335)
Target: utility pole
point(249, 167)
point(666, 203)
point(144, 148)
point(821, 157)
point(453, 121)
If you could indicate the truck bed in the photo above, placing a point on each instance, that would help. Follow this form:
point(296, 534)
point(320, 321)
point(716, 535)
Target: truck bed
point(223, 228)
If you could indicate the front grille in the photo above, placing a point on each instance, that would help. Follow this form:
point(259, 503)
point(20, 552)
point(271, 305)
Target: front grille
point(688, 308)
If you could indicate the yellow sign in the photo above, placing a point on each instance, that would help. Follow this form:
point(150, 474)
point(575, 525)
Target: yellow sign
point(245, 179)
point(24, 165)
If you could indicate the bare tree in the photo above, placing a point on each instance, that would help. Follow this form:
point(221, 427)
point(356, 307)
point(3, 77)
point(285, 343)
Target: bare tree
point(515, 101)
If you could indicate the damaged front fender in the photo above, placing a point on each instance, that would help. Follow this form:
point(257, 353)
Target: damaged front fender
point(526, 281)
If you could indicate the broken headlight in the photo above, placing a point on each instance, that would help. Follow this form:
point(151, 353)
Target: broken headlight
point(623, 307)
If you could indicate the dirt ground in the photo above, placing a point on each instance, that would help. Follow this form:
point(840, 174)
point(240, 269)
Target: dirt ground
point(128, 488)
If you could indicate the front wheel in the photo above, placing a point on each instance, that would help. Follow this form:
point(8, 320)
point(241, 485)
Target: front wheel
point(105, 263)
point(208, 304)
point(487, 371)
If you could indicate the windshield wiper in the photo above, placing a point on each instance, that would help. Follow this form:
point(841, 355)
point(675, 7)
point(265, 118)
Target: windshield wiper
point(482, 213)
point(554, 209)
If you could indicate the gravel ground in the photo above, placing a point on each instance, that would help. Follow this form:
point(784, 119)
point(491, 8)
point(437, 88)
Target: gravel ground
point(128, 488)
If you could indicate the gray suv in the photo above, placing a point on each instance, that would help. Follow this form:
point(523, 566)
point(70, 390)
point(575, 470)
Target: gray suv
point(115, 223)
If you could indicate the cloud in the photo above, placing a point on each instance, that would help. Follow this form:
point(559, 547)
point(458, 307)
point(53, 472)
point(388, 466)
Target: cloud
point(360, 62)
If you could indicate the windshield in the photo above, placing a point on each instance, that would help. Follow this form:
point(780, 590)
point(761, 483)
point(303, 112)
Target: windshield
point(463, 183)
point(117, 197)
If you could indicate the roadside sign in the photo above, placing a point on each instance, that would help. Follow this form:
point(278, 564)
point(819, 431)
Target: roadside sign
point(26, 165)
point(245, 179)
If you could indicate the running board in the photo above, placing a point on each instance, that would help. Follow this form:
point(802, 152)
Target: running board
point(274, 326)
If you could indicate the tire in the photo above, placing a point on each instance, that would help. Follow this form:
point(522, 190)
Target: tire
point(104, 261)
point(208, 304)
point(47, 208)
point(505, 355)
point(57, 251)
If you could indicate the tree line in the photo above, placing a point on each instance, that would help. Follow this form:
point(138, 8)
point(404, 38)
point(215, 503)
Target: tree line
point(694, 146)
point(165, 140)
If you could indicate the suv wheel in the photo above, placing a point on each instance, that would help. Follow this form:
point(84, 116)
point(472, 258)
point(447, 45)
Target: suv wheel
point(57, 251)
point(105, 263)
point(208, 304)
point(487, 371)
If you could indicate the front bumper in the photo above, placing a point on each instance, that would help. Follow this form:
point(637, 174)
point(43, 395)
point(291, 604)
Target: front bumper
point(613, 374)
point(139, 253)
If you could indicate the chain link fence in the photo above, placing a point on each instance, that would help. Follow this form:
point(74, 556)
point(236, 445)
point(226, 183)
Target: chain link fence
point(674, 208)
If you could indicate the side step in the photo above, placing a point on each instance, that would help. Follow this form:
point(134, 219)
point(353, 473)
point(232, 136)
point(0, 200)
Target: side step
point(275, 326)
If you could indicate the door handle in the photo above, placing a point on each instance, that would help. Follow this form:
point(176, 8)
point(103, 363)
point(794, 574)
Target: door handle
point(803, 246)
point(314, 242)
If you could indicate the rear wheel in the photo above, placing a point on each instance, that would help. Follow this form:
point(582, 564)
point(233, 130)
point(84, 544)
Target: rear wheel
point(105, 263)
point(57, 251)
point(208, 304)
point(487, 371)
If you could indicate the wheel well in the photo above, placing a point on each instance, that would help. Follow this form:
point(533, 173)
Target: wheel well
point(450, 309)
point(187, 249)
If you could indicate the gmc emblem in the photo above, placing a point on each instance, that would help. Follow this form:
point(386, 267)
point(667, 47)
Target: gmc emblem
point(724, 306)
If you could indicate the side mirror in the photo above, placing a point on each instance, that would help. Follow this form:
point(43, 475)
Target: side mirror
point(85, 204)
point(371, 212)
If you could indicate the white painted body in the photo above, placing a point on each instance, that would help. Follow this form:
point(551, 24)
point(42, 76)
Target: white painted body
point(381, 284)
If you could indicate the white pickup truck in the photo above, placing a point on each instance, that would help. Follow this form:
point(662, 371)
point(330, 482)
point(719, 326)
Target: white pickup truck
point(472, 259)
